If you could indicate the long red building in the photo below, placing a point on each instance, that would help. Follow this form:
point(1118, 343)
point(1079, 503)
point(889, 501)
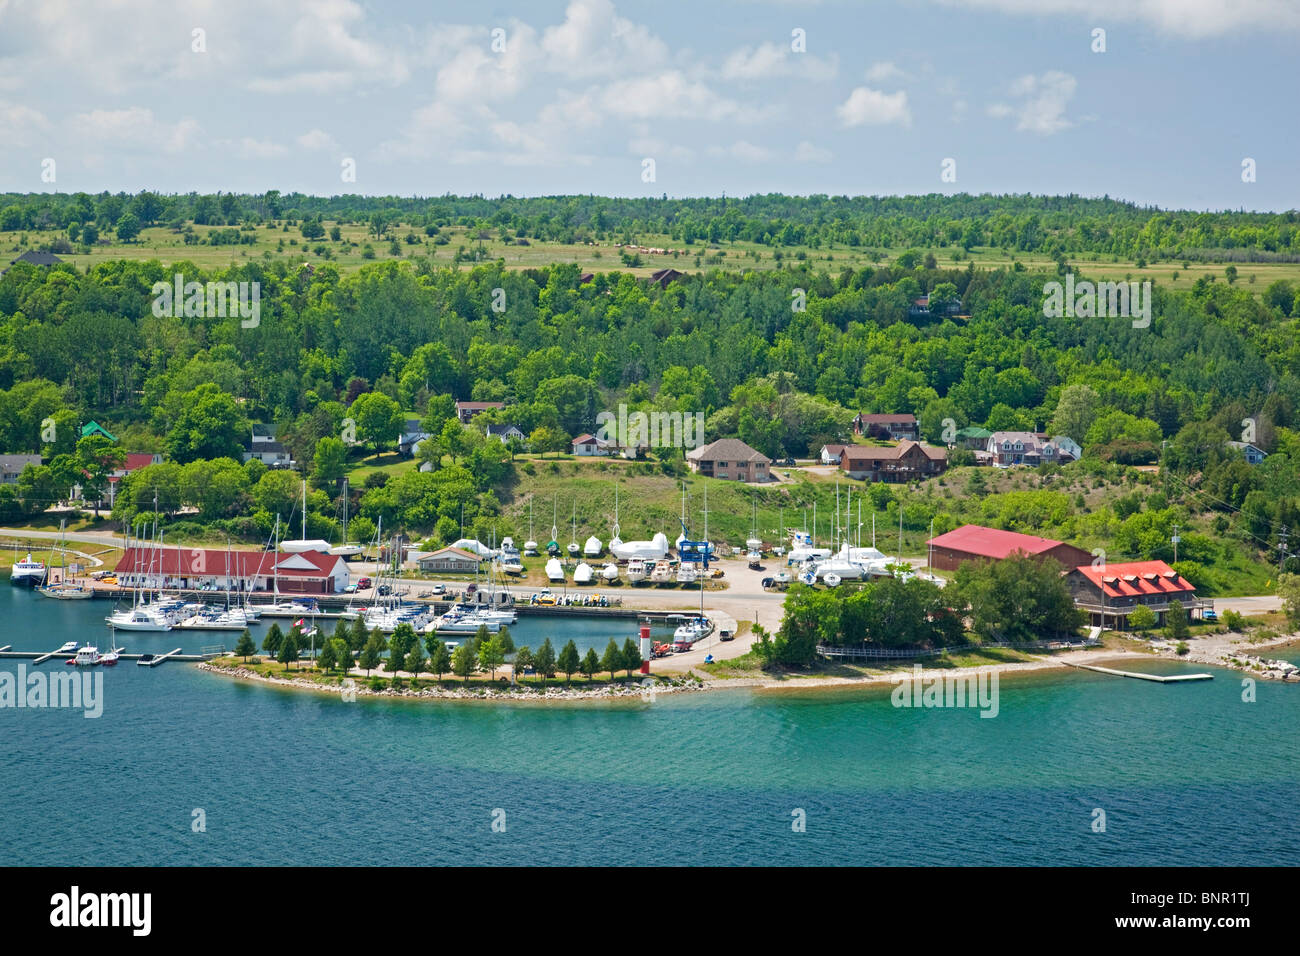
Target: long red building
point(306, 572)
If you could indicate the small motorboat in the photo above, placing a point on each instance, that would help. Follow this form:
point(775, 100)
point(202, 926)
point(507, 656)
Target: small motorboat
point(87, 656)
point(109, 658)
point(610, 572)
point(67, 648)
point(145, 660)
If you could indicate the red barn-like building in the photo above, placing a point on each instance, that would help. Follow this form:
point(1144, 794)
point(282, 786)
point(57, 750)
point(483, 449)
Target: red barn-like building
point(972, 542)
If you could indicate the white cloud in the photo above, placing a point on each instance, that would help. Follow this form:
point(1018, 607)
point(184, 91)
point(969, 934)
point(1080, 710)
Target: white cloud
point(19, 124)
point(317, 139)
point(806, 152)
point(1195, 19)
point(742, 151)
point(250, 148)
point(134, 127)
point(769, 60)
point(594, 41)
point(670, 94)
point(884, 72)
point(1043, 100)
point(866, 106)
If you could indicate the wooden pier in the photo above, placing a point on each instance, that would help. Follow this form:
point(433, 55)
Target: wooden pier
point(162, 657)
point(1158, 678)
point(37, 657)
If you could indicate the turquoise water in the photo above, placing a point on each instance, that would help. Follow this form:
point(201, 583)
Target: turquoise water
point(1187, 774)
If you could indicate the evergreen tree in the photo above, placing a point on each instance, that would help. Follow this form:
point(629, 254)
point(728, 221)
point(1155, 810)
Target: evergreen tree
point(591, 663)
point(631, 656)
point(544, 660)
point(415, 661)
point(289, 649)
point(439, 657)
point(464, 660)
point(371, 654)
point(245, 646)
point(523, 661)
point(326, 659)
point(506, 642)
point(569, 660)
point(612, 660)
point(273, 641)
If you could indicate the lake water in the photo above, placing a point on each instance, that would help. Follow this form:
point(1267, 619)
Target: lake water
point(1186, 774)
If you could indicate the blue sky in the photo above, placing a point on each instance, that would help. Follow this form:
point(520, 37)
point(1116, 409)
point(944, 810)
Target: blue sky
point(584, 91)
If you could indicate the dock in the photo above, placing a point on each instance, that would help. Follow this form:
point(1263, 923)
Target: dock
point(158, 659)
point(37, 657)
point(1158, 678)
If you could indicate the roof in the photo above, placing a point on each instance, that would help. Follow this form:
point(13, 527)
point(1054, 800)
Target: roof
point(136, 460)
point(92, 427)
point(479, 406)
point(502, 429)
point(215, 561)
point(268, 447)
point(889, 418)
point(836, 450)
point(37, 257)
point(727, 449)
point(450, 552)
point(974, 431)
point(1136, 577)
point(993, 542)
point(16, 463)
point(891, 452)
point(263, 430)
point(585, 439)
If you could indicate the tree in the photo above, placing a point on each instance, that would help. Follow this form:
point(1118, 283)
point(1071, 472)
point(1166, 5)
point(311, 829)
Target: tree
point(1076, 410)
point(400, 643)
point(378, 418)
point(289, 649)
point(523, 660)
point(463, 660)
point(273, 640)
point(330, 461)
point(128, 227)
point(327, 658)
point(490, 656)
point(544, 660)
point(342, 653)
point(1141, 618)
point(439, 656)
point(415, 662)
point(546, 439)
point(506, 641)
point(210, 425)
point(1288, 589)
point(245, 646)
point(1176, 628)
point(591, 663)
point(370, 654)
point(631, 656)
point(569, 661)
point(611, 660)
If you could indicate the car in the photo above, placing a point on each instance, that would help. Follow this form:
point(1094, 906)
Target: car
point(365, 583)
point(768, 583)
point(385, 590)
point(108, 579)
point(1209, 615)
point(788, 461)
point(438, 589)
point(350, 589)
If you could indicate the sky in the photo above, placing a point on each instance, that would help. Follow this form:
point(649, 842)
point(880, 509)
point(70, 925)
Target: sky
point(1161, 102)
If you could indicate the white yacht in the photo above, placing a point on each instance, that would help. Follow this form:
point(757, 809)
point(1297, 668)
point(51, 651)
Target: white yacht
point(686, 574)
point(636, 572)
point(693, 630)
point(143, 617)
point(609, 572)
point(592, 547)
point(27, 573)
point(87, 656)
point(583, 573)
point(662, 573)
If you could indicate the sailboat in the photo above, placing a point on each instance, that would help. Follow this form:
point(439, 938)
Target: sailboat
point(530, 546)
point(346, 550)
point(583, 573)
point(62, 589)
point(143, 615)
point(609, 572)
point(304, 543)
point(573, 543)
point(754, 542)
point(553, 546)
point(554, 570)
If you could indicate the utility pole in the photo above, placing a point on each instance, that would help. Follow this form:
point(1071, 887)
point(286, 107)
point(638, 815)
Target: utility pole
point(1174, 539)
point(1281, 548)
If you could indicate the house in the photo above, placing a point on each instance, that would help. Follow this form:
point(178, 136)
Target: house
point(11, 466)
point(95, 428)
point(1067, 449)
point(1110, 592)
point(587, 446)
point(895, 426)
point(503, 433)
point(452, 560)
point(135, 460)
point(1008, 449)
point(37, 257)
point(1252, 453)
point(831, 454)
point(730, 458)
point(263, 446)
point(906, 461)
point(467, 410)
point(920, 308)
point(586, 277)
point(664, 276)
point(408, 442)
point(973, 438)
point(972, 542)
point(304, 572)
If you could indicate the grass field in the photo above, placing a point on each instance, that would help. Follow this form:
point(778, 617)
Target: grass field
point(349, 253)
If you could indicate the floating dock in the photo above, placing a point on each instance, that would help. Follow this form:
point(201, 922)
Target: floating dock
point(37, 657)
point(1158, 678)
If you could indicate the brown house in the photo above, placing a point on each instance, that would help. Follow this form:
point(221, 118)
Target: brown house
point(972, 542)
point(893, 425)
point(665, 276)
point(1110, 592)
point(467, 410)
point(906, 461)
point(730, 458)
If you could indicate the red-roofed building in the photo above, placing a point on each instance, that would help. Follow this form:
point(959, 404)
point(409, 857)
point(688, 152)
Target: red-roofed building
point(306, 572)
point(135, 460)
point(467, 410)
point(1110, 592)
point(972, 542)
